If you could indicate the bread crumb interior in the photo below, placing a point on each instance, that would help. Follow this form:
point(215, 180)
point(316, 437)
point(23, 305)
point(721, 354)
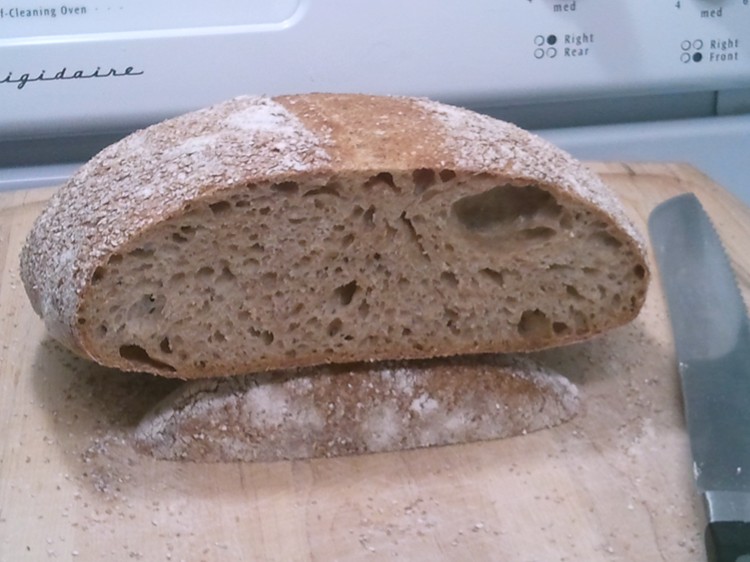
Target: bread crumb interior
point(388, 264)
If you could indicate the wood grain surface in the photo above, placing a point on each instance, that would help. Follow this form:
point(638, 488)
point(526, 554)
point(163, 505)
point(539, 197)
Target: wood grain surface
point(615, 484)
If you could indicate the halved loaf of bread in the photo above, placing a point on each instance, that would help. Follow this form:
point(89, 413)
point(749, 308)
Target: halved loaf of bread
point(335, 410)
point(271, 233)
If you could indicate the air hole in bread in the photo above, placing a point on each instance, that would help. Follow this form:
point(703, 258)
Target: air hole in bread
point(534, 324)
point(382, 178)
point(265, 336)
point(369, 217)
point(165, 345)
point(141, 253)
point(606, 239)
point(179, 238)
point(561, 267)
point(390, 231)
point(220, 207)
point(98, 275)
point(573, 292)
point(114, 259)
point(288, 187)
point(269, 279)
point(328, 189)
point(347, 240)
point(539, 233)
point(205, 271)
point(447, 175)
point(334, 327)
point(413, 235)
point(503, 205)
point(423, 178)
point(139, 356)
point(449, 278)
point(226, 275)
point(560, 328)
point(218, 336)
point(496, 277)
point(345, 293)
point(639, 271)
point(451, 316)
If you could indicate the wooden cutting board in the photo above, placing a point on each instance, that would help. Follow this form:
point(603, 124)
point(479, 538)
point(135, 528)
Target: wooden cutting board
point(613, 484)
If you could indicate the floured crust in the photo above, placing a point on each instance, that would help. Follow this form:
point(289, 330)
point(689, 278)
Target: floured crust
point(159, 172)
point(342, 410)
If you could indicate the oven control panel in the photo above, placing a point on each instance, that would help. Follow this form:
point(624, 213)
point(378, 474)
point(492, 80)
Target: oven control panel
point(97, 65)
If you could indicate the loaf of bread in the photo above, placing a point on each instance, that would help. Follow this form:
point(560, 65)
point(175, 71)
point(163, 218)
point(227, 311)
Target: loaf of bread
point(366, 408)
point(274, 233)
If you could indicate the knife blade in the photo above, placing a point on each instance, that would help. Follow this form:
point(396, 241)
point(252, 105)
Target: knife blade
point(712, 342)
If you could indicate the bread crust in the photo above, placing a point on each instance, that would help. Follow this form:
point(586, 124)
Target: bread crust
point(332, 411)
point(159, 172)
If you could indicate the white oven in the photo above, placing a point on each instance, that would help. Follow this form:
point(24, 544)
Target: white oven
point(607, 80)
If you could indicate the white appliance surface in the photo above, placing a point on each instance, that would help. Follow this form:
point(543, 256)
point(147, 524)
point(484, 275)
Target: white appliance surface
point(719, 147)
point(649, 80)
point(110, 65)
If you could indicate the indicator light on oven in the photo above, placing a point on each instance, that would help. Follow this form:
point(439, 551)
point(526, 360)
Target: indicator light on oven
point(687, 46)
point(540, 40)
point(545, 47)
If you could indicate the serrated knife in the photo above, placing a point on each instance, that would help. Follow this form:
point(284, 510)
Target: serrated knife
point(712, 341)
